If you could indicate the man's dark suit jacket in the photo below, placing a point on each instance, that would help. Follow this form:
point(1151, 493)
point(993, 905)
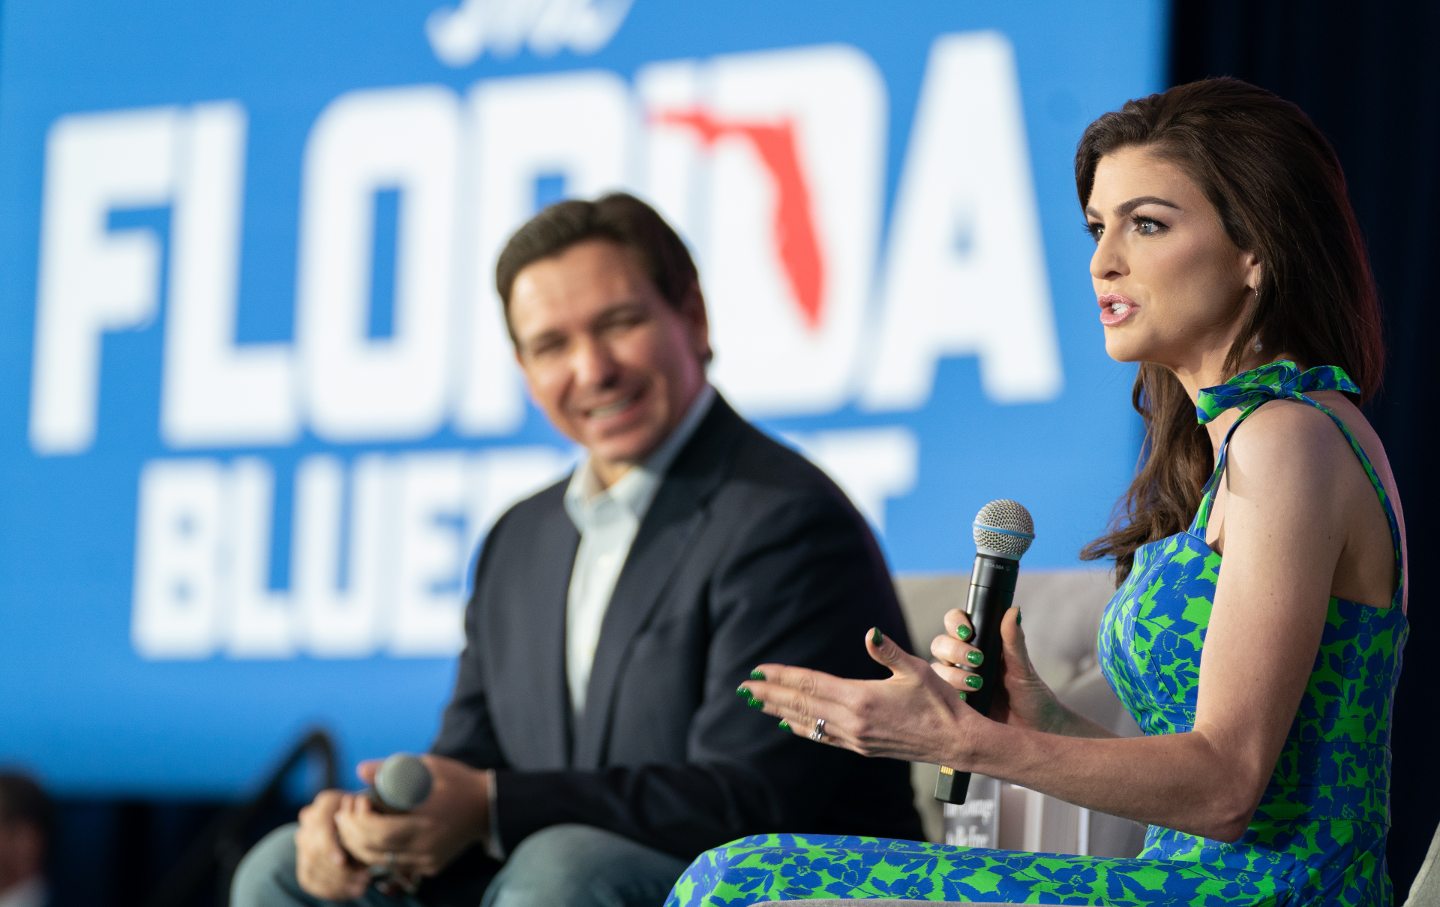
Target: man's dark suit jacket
point(748, 554)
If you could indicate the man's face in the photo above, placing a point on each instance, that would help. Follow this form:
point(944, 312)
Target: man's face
point(611, 363)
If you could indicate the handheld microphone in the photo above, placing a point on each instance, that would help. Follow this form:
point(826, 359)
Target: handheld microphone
point(401, 784)
point(1003, 533)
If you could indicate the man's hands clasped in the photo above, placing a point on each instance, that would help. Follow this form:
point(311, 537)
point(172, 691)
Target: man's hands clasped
point(344, 842)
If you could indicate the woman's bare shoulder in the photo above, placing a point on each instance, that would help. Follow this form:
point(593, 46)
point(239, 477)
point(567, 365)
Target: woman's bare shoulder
point(1289, 437)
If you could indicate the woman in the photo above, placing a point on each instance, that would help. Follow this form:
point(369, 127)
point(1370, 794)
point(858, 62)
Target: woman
point(1227, 261)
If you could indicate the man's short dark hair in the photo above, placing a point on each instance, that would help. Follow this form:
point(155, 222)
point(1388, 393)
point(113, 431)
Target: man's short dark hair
point(24, 802)
point(618, 217)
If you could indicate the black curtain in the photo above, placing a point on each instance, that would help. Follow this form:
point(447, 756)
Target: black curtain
point(1369, 76)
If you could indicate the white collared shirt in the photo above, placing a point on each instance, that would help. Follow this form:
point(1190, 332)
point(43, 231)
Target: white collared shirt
point(608, 519)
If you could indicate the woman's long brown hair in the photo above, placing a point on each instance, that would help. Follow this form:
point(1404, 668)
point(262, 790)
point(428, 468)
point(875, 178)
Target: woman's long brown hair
point(1280, 193)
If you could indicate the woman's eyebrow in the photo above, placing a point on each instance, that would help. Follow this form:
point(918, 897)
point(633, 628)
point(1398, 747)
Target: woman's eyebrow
point(1124, 209)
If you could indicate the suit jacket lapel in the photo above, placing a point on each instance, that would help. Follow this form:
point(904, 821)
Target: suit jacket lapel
point(553, 727)
point(677, 512)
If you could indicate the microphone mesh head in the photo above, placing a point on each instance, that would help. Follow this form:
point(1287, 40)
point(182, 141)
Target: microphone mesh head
point(1004, 528)
point(403, 782)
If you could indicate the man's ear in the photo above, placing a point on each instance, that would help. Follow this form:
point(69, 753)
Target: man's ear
point(692, 309)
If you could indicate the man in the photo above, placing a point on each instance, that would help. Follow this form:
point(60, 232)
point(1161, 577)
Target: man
point(594, 743)
point(27, 818)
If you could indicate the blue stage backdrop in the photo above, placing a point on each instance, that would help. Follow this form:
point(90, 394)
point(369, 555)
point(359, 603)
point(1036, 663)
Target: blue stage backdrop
point(260, 406)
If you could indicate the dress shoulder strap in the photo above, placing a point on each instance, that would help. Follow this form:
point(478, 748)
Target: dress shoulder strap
point(1282, 380)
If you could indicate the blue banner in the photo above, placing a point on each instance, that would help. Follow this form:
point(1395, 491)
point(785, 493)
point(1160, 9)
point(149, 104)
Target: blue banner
point(261, 402)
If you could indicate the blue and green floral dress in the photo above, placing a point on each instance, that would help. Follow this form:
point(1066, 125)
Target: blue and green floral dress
point(1318, 836)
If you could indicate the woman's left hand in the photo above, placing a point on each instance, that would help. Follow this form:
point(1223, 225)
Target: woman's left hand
point(911, 715)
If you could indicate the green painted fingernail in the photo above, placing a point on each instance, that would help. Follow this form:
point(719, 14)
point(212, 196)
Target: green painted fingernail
point(974, 681)
point(784, 725)
point(975, 657)
point(743, 693)
point(876, 637)
point(757, 674)
point(756, 703)
point(964, 696)
point(964, 632)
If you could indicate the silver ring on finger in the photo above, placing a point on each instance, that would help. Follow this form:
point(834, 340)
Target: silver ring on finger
point(819, 733)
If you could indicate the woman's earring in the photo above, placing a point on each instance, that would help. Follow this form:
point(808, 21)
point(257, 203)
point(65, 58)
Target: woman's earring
point(1258, 345)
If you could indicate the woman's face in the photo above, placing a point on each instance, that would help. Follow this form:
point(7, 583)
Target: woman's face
point(1170, 284)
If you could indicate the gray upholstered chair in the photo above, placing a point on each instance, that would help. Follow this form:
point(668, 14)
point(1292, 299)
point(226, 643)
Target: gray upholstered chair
point(1425, 889)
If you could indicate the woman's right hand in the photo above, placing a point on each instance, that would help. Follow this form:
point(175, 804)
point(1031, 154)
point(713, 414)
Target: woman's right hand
point(1022, 698)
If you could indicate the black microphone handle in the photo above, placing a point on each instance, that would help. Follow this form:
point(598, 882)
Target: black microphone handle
point(378, 803)
point(992, 589)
